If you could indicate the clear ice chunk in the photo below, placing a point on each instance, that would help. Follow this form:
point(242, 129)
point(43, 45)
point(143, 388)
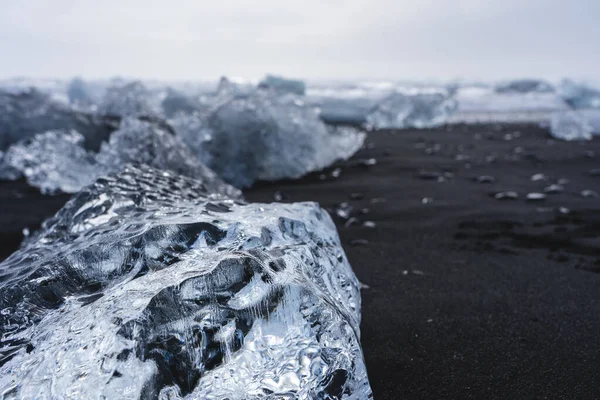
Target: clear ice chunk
point(57, 161)
point(27, 113)
point(407, 110)
point(570, 125)
point(283, 85)
point(146, 285)
point(264, 136)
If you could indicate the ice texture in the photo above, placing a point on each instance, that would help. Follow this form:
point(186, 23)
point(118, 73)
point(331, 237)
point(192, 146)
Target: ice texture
point(57, 160)
point(570, 125)
point(412, 110)
point(148, 285)
point(265, 136)
point(283, 85)
point(25, 114)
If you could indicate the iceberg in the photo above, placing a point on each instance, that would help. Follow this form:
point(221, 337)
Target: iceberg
point(264, 136)
point(418, 110)
point(283, 85)
point(25, 114)
point(147, 285)
point(57, 161)
point(175, 103)
point(570, 125)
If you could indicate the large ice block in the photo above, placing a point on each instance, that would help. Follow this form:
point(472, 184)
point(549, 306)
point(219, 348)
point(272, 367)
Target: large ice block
point(570, 125)
point(264, 136)
point(129, 99)
point(579, 95)
point(146, 285)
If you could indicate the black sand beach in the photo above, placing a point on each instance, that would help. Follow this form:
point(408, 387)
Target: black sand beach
point(468, 296)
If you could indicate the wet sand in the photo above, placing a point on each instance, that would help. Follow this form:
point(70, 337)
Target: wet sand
point(468, 296)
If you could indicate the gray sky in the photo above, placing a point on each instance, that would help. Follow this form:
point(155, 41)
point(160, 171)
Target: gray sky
point(331, 39)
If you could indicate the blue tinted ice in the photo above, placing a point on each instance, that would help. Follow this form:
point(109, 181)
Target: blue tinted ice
point(570, 125)
point(283, 85)
point(148, 285)
point(129, 99)
point(264, 136)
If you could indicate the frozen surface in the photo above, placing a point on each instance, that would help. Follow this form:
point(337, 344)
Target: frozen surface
point(570, 125)
point(146, 285)
point(264, 136)
point(283, 85)
point(27, 113)
point(57, 160)
point(408, 110)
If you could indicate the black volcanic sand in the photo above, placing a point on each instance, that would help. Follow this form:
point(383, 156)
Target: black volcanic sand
point(468, 297)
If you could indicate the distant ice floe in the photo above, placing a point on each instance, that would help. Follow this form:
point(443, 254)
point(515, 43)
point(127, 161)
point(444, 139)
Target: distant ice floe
point(265, 136)
point(524, 86)
point(283, 85)
point(129, 99)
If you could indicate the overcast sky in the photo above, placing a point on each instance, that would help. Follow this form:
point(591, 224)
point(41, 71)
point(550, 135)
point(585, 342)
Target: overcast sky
point(330, 39)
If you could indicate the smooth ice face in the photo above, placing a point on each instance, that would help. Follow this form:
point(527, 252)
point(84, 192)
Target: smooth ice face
point(264, 136)
point(419, 110)
point(57, 161)
point(147, 286)
point(570, 125)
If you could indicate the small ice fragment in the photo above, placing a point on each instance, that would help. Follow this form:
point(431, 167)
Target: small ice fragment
point(510, 195)
point(357, 196)
point(429, 175)
point(570, 125)
point(418, 272)
point(536, 196)
point(278, 196)
point(427, 200)
point(359, 242)
point(564, 210)
point(351, 221)
point(589, 193)
point(486, 179)
point(369, 224)
point(554, 188)
point(538, 177)
point(336, 172)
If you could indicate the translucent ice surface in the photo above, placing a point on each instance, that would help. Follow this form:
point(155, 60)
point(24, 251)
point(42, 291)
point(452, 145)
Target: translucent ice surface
point(570, 125)
point(57, 160)
point(146, 285)
point(579, 95)
point(265, 136)
point(418, 110)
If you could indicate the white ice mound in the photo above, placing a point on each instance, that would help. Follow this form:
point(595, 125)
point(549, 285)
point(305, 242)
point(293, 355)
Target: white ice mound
point(570, 125)
point(129, 99)
point(283, 85)
point(418, 110)
point(147, 286)
point(57, 160)
point(25, 114)
point(264, 136)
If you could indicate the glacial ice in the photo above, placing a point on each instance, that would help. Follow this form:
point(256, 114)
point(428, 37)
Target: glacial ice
point(264, 136)
point(283, 85)
point(57, 160)
point(570, 125)
point(27, 113)
point(147, 285)
point(579, 95)
point(407, 110)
